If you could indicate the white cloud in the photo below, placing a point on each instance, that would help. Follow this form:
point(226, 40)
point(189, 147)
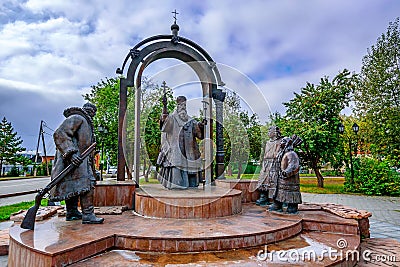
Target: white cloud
point(53, 48)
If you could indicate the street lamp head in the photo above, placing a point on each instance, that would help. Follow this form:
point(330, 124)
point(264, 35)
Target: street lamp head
point(341, 128)
point(355, 128)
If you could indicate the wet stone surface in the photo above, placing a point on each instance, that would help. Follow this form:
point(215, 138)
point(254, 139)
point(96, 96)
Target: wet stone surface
point(242, 257)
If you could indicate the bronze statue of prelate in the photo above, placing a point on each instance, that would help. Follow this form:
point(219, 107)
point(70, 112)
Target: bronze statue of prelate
point(179, 159)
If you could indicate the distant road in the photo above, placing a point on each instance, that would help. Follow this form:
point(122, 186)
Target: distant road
point(20, 185)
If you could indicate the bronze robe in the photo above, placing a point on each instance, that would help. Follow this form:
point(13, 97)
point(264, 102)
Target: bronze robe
point(180, 154)
point(269, 168)
point(289, 187)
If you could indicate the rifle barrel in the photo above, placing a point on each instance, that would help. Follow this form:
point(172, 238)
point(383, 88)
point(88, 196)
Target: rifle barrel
point(29, 219)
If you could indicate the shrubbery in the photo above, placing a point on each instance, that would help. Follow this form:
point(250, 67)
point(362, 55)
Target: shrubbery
point(14, 172)
point(373, 177)
point(41, 169)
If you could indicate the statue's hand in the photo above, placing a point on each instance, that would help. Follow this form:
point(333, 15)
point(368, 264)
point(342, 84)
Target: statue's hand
point(76, 160)
point(164, 117)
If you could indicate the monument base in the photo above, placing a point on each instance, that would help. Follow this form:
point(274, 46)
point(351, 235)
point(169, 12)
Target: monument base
point(56, 242)
point(320, 227)
point(193, 203)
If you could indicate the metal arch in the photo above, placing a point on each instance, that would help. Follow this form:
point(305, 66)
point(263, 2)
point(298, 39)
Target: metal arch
point(186, 51)
point(184, 40)
point(202, 69)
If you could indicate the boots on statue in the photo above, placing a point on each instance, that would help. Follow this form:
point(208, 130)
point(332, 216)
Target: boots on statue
point(277, 206)
point(88, 216)
point(292, 208)
point(263, 200)
point(72, 209)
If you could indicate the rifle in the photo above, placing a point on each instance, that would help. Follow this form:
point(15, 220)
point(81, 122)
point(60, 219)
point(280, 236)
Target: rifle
point(29, 220)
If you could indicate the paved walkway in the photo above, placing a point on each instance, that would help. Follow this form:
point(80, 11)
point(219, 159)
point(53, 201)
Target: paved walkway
point(385, 220)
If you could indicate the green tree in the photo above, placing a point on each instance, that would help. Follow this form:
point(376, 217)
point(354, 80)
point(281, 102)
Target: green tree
point(242, 135)
point(105, 95)
point(377, 97)
point(253, 129)
point(24, 161)
point(152, 106)
point(10, 144)
point(314, 115)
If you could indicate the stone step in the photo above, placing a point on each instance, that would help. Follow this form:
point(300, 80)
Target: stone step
point(305, 249)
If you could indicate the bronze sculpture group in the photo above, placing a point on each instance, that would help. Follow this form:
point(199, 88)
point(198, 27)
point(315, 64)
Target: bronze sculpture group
point(179, 160)
point(279, 179)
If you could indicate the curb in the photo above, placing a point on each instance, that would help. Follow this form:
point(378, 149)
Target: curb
point(22, 178)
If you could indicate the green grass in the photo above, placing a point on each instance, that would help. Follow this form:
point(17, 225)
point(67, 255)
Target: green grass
point(331, 186)
point(244, 176)
point(6, 211)
point(151, 181)
point(307, 184)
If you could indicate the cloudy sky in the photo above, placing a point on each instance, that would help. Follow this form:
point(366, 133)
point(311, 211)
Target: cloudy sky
point(52, 51)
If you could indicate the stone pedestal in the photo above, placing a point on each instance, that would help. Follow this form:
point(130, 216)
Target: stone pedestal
point(248, 188)
point(197, 203)
point(114, 193)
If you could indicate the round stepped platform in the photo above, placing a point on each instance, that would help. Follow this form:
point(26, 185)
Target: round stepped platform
point(56, 242)
point(183, 223)
point(194, 203)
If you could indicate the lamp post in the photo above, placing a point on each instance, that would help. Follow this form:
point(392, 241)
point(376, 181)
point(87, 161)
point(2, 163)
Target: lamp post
point(102, 130)
point(355, 130)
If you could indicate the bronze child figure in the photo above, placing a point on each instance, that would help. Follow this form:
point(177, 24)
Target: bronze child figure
point(73, 136)
point(287, 189)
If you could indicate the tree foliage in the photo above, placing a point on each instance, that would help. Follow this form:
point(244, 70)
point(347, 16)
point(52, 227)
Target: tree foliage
point(377, 96)
point(10, 144)
point(314, 115)
point(242, 134)
point(150, 108)
point(374, 177)
point(105, 95)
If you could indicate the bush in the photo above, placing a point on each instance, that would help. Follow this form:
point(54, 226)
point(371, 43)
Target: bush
point(41, 169)
point(14, 172)
point(373, 177)
point(250, 168)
